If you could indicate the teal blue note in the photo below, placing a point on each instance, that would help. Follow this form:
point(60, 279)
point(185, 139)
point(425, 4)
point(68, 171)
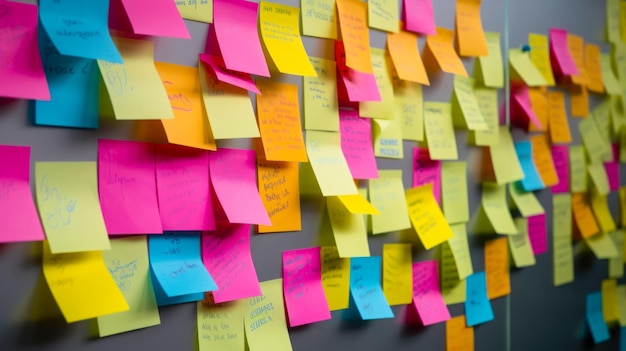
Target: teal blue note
point(477, 306)
point(164, 300)
point(366, 295)
point(595, 319)
point(532, 180)
point(79, 28)
point(622, 339)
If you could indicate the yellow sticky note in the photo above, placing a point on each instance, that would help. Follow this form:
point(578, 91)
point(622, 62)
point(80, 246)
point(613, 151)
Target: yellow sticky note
point(497, 268)
point(409, 108)
point(525, 201)
point(504, 159)
point(523, 68)
point(598, 148)
point(465, 110)
point(618, 50)
point(357, 204)
point(383, 108)
point(469, 29)
point(454, 192)
point(602, 114)
point(519, 244)
point(439, 129)
point(190, 126)
point(398, 274)
point(494, 215)
point(579, 101)
point(280, 192)
point(439, 51)
point(488, 104)
point(577, 169)
point(539, 103)
point(197, 10)
point(220, 326)
point(69, 208)
point(598, 177)
point(134, 87)
point(348, 229)
point(265, 323)
point(610, 311)
point(543, 159)
point(127, 262)
point(616, 264)
point(427, 218)
point(228, 108)
point(621, 304)
point(576, 46)
point(319, 18)
point(452, 287)
point(600, 208)
point(617, 115)
point(611, 84)
point(459, 337)
point(387, 194)
point(279, 26)
point(383, 15)
point(406, 57)
point(613, 21)
point(329, 163)
point(489, 70)
point(321, 109)
point(540, 56)
point(585, 221)
point(335, 278)
point(81, 284)
point(563, 254)
point(459, 246)
point(355, 34)
point(387, 138)
point(559, 128)
point(594, 68)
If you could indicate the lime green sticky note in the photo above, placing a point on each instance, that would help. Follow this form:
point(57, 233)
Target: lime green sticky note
point(459, 246)
point(622, 145)
point(410, 107)
point(563, 254)
point(611, 84)
point(621, 304)
point(398, 273)
point(504, 159)
point(523, 68)
point(465, 110)
point(578, 169)
point(519, 244)
point(452, 288)
point(220, 326)
point(602, 246)
point(321, 109)
point(454, 192)
point(597, 173)
point(488, 103)
point(319, 18)
point(383, 108)
point(612, 32)
point(489, 70)
point(387, 194)
point(598, 148)
point(525, 201)
point(617, 114)
point(128, 264)
point(348, 229)
point(618, 50)
point(69, 207)
point(601, 116)
point(440, 131)
point(493, 215)
point(601, 210)
point(616, 264)
point(387, 135)
point(328, 163)
point(265, 322)
point(383, 15)
point(335, 278)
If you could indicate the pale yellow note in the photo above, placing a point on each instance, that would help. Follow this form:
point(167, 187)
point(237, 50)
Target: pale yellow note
point(621, 304)
point(610, 310)
point(329, 163)
point(439, 51)
point(519, 244)
point(348, 229)
point(452, 287)
point(577, 169)
point(576, 46)
point(398, 273)
point(563, 254)
point(602, 246)
point(504, 159)
point(357, 204)
point(465, 110)
point(426, 217)
point(196, 10)
point(387, 137)
point(540, 56)
point(134, 87)
point(335, 278)
point(406, 57)
point(598, 177)
point(265, 323)
point(454, 192)
point(494, 215)
point(603, 113)
point(489, 70)
point(81, 284)
point(598, 148)
point(497, 268)
point(69, 207)
point(279, 26)
point(220, 326)
point(459, 337)
point(319, 18)
point(594, 68)
point(383, 15)
point(611, 84)
point(542, 156)
point(600, 208)
point(127, 262)
point(488, 103)
point(617, 115)
point(321, 109)
point(459, 246)
point(616, 264)
point(469, 29)
point(387, 194)
point(409, 106)
point(439, 129)
point(613, 21)
point(523, 68)
point(618, 50)
point(525, 201)
point(383, 108)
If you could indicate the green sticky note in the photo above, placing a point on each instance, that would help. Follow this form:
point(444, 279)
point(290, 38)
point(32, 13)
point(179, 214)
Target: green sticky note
point(489, 70)
point(599, 149)
point(459, 246)
point(519, 244)
point(452, 288)
point(265, 321)
point(504, 159)
point(410, 107)
point(622, 145)
point(525, 201)
point(321, 109)
point(454, 192)
point(598, 177)
point(439, 129)
point(602, 246)
point(523, 68)
point(601, 116)
point(387, 194)
point(387, 135)
point(616, 110)
point(488, 103)
point(465, 110)
point(380, 68)
point(612, 32)
point(616, 264)
point(578, 169)
point(611, 84)
point(220, 326)
point(563, 254)
point(348, 229)
point(493, 215)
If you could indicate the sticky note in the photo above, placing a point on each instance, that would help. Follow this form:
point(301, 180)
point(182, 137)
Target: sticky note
point(459, 246)
point(279, 122)
point(593, 67)
point(426, 171)
point(621, 304)
point(488, 69)
point(487, 99)
point(563, 255)
point(540, 56)
point(537, 233)
point(532, 180)
point(611, 83)
point(504, 159)
point(578, 169)
point(622, 205)
point(356, 203)
point(602, 246)
point(523, 68)
point(612, 33)
point(355, 34)
point(497, 268)
point(319, 19)
point(227, 258)
point(560, 156)
point(454, 192)
point(616, 264)
point(354, 86)
point(559, 128)
point(148, 17)
point(217, 67)
point(265, 322)
point(576, 46)
point(321, 109)
point(613, 111)
point(406, 58)
point(335, 278)
point(387, 194)
point(458, 335)
point(469, 29)
point(522, 112)
point(409, 109)
point(200, 11)
point(608, 290)
point(525, 201)
point(302, 286)
point(383, 108)
point(452, 286)
point(427, 298)
point(221, 326)
point(366, 295)
point(397, 273)
point(477, 305)
point(494, 215)
point(439, 50)
point(426, 217)
point(612, 172)
point(356, 145)
point(383, 15)
point(67, 200)
point(280, 193)
point(465, 110)
point(127, 262)
point(439, 131)
point(601, 210)
point(520, 245)
point(419, 16)
point(561, 57)
point(595, 320)
point(329, 163)
point(598, 148)
point(22, 79)
point(19, 220)
point(543, 160)
point(583, 216)
point(387, 135)
point(619, 55)
point(598, 177)
point(579, 102)
point(348, 229)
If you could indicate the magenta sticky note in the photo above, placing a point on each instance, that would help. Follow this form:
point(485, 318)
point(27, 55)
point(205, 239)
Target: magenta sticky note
point(226, 256)
point(225, 75)
point(537, 233)
point(182, 175)
point(359, 86)
point(19, 220)
point(419, 16)
point(302, 287)
point(233, 176)
point(560, 57)
point(426, 171)
point(148, 17)
point(235, 24)
point(20, 63)
point(356, 144)
point(127, 187)
point(560, 156)
point(612, 169)
point(427, 297)
point(522, 114)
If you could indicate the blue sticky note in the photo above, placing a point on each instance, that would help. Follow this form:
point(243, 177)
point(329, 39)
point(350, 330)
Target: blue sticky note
point(622, 339)
point(79, 28)
point(595, 319)
point(176, 264)
point(164, 300)
point(73, 83)
point(366, 294)
point(477, 306)
point(532, 180)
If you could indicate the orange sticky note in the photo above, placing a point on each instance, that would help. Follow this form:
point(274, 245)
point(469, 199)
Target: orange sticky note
point(539, 103)
point(406, 58)
point(579, 101)
point(593, 68)
point(190, 126)
point(459, 337)
point(583, 216)
point(440, 51)
point(497, 268)
point(279, 121)
point(576, 46)
point(542, 156)
point(355, 34)
point(469, 29)
point(279, 189)
point(559, 128)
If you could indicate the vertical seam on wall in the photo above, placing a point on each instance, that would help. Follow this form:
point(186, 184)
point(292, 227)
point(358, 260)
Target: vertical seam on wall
point(507, 119)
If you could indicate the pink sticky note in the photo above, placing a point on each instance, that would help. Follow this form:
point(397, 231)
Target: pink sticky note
point(233, 175)
point(19, 220)
point(302, 286)
point(359, 86)
point(560, 156)
point(419, 16)
point(356, 144)
point(612, 169)
point(127, 187)
point(537, 233)
point(426, 171)
point(182, 175)
point(148, 17)
point(226, 256)
point(562, 61)
point(225, 75)
point(427, 297)
point(20, 63)
point(235, 20)
point(522, 113)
